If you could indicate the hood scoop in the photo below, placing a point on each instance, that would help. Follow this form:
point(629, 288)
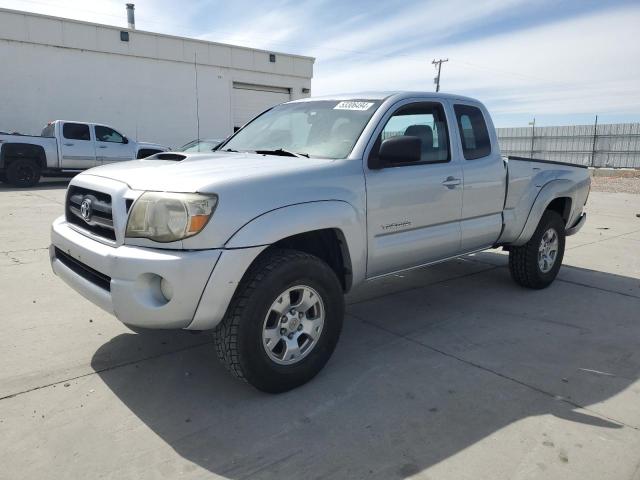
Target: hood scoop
point(176, 157)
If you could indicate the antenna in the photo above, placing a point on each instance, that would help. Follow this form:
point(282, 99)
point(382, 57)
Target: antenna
point(195, 67)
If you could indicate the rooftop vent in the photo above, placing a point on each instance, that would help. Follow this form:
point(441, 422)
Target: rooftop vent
point(131, 19)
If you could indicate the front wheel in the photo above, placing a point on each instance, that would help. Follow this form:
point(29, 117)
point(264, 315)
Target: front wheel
point(536, 263)
point(283, 322)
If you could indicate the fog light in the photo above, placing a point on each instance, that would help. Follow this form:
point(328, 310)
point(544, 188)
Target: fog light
point(166, 288)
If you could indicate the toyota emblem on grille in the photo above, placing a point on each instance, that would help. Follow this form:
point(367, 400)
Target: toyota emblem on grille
point(85, 209)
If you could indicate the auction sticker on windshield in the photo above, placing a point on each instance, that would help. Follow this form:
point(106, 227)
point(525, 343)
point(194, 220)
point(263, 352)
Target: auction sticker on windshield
point(353, 106)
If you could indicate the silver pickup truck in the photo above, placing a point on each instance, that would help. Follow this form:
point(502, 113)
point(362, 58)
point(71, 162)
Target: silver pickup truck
point(259, 240)
point(65, 147)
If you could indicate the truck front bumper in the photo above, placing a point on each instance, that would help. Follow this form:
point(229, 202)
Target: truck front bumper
point(146, 287)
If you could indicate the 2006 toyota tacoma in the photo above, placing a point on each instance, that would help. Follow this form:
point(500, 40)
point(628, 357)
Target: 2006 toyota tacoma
point(259, 240)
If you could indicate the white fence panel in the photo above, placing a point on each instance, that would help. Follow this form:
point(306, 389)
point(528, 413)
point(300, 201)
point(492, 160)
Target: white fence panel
point(608, 145)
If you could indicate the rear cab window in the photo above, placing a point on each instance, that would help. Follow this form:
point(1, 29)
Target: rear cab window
point(48, 131)
point(76, 131)
point(474, 135)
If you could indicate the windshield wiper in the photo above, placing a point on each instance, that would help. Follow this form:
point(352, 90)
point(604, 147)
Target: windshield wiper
point(282, 152)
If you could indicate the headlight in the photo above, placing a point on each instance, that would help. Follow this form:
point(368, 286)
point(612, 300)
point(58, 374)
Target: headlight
point(168, 217)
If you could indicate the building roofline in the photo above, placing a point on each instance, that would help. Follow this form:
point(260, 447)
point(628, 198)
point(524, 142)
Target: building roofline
point(164, 35)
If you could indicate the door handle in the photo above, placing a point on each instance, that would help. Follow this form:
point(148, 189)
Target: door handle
point(102, 146)
point(451, 182)
point(68, 144)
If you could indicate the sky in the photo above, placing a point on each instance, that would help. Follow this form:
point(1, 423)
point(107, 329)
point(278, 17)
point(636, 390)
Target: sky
point(560, 62)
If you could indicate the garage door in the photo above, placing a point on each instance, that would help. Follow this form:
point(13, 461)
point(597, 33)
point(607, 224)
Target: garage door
point(250, 100)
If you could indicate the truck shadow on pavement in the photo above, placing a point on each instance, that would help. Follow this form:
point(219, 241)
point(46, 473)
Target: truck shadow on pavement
point(419, 375)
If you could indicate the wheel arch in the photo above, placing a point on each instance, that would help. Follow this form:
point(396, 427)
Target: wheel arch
point(561, 205)
point(11, 152)
point(557, 195)
point(332, 230)
point(328, 244)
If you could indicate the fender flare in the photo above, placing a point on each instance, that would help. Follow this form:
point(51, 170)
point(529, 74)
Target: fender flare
point(554, 189)
point(274, 225)
point(35, 152)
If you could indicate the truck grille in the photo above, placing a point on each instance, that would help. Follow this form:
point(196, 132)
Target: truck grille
point(90, 210)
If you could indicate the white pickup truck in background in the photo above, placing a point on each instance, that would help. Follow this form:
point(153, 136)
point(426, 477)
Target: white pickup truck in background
point(65, 147)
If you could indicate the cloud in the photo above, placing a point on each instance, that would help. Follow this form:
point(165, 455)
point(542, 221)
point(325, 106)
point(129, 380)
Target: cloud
point(517, 57)
point(152, 15)
point(569, 66)
point(420, 23)
point(281, 25)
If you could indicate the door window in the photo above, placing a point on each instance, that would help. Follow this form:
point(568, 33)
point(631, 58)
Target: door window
point(106, 134)
point(423, 120)
point(473, 132)
point(76, 131)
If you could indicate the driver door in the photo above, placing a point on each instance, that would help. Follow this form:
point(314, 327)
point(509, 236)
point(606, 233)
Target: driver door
point(76, 146)
point(414, 209)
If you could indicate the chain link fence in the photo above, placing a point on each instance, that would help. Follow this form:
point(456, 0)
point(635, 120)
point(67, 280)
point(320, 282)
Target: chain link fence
point(615, 145)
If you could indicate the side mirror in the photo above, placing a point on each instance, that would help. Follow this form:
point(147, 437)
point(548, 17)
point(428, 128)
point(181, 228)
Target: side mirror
point(125, 140)
point(397, 150)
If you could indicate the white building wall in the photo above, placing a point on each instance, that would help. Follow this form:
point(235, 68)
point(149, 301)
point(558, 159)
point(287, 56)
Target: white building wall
point(53, 68)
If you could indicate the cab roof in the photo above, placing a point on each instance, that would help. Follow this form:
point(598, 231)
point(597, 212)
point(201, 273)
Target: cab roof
point(396, 95)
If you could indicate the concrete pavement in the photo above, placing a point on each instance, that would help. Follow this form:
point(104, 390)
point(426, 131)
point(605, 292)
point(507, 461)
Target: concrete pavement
point(445, 372)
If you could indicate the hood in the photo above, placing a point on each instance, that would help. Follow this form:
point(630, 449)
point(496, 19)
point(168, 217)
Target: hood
point(202, 172)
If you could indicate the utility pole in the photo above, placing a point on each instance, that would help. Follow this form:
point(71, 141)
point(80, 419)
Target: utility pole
point(439, 67)
point(593, 145)
point(533, 134)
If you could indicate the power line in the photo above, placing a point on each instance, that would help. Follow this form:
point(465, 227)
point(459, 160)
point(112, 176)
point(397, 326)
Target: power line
point(439, 67)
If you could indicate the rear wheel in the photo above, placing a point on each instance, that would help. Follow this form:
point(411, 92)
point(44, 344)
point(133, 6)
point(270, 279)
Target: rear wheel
point(283, 323)
point(23, 172)
point(536, 263)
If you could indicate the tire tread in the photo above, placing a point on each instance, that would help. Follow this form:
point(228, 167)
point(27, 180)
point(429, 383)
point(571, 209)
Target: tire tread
point(523, 260)
point(226, 334)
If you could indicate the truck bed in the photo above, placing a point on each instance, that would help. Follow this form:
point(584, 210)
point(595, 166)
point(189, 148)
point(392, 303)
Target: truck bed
point(526, 180)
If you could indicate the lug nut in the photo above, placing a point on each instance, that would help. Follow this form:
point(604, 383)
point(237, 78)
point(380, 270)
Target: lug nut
point(299, 327)
point(283, 319)
point(290, 336)
point(300, 315)
point(283, 331)
point(293, 311)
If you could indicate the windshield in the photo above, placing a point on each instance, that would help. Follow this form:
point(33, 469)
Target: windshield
point(200, 146)
point(322, 128)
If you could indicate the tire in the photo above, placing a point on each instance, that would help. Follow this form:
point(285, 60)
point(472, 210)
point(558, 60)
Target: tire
point(527, 263)
point(293, 279)
point(23, 173)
